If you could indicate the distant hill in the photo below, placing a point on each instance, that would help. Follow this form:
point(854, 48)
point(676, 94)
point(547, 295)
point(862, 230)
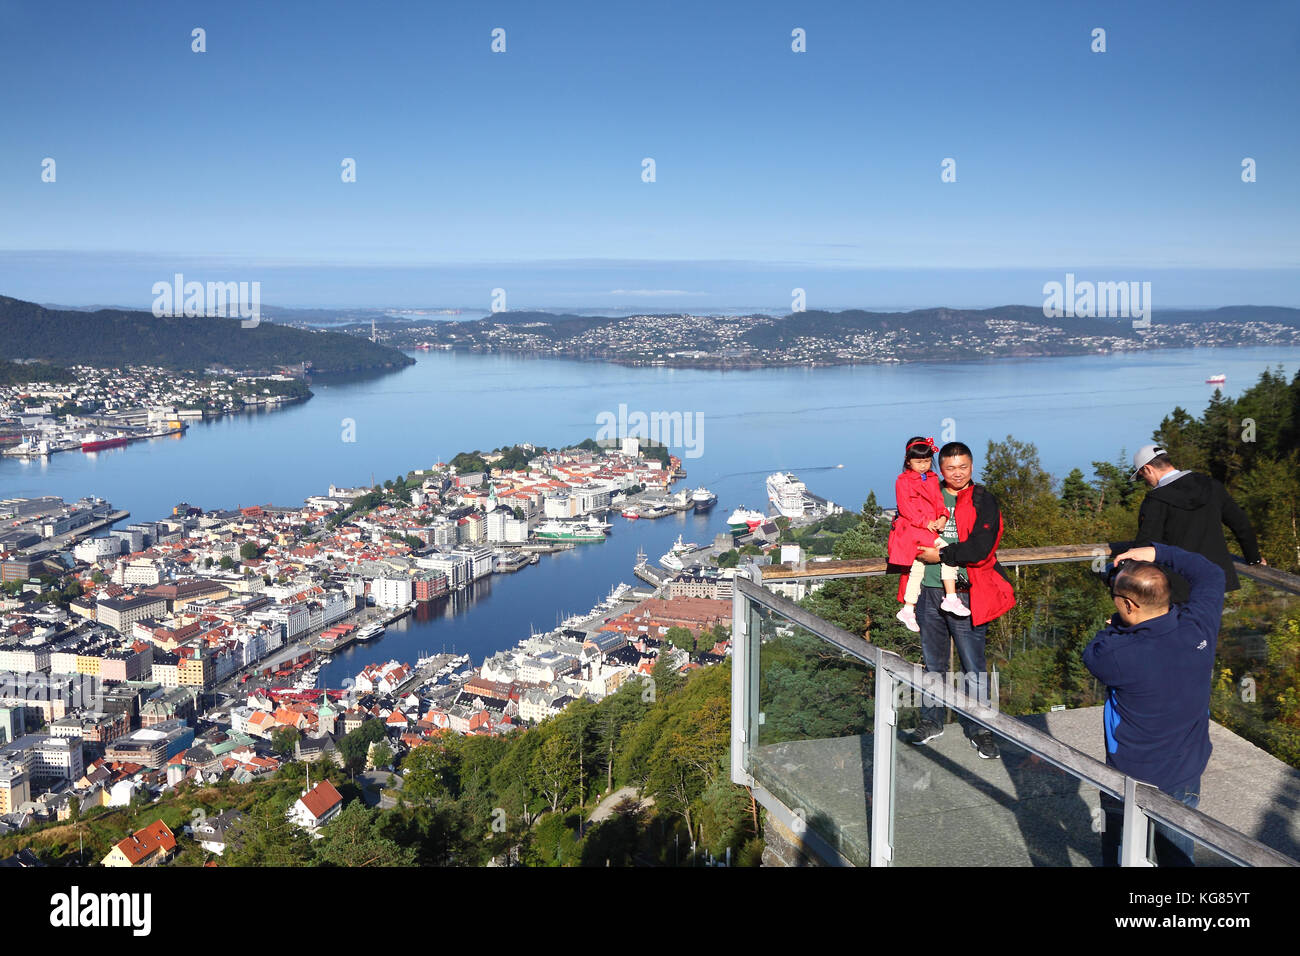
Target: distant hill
point(115, 337)
point(815, 322)
point(1231, 313)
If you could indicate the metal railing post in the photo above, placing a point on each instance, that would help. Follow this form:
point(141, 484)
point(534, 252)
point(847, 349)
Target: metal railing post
point(742, 665)
point(1137, 829)
point(882, 769)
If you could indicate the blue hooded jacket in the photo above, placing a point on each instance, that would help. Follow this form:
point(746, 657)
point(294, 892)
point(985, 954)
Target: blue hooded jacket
point(1158, 674)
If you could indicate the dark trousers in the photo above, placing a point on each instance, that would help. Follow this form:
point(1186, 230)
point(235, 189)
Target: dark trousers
point(1172, 849)
point(939, 631)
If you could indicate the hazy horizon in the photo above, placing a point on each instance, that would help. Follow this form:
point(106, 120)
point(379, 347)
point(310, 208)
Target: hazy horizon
point(677, 157)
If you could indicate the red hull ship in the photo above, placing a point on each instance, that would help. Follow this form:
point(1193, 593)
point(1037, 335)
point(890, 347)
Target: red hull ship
point(93, 442)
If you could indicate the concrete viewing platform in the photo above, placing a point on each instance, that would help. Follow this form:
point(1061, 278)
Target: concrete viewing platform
point(953, 808)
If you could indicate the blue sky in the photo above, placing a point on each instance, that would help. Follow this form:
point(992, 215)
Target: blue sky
point(774, 169)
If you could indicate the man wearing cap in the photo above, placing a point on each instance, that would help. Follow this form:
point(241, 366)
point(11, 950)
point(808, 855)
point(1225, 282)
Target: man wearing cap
point(1189, 510)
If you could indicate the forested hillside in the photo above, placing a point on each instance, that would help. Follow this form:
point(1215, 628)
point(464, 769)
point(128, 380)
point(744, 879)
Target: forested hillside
point(111, 338)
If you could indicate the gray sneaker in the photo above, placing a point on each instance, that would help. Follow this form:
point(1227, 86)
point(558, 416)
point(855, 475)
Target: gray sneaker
point(925, 731)
point(986, 745)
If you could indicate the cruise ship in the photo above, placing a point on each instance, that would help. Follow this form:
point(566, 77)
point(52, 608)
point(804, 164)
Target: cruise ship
point(371, 631)
point(787, 494)
point(593, 529)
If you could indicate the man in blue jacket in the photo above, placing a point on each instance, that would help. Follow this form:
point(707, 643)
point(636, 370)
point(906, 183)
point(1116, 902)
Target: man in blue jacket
point(1157, 662)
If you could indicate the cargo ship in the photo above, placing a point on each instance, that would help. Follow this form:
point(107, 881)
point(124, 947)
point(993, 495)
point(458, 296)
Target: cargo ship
point(93, 441)
point(743, 521)
point(1219, 379)
point(703, 500)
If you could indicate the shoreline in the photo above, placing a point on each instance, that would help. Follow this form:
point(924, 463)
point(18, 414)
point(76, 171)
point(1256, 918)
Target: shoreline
point(724, 366)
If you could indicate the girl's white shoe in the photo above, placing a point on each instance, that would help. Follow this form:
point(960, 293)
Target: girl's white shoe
point(952, 604)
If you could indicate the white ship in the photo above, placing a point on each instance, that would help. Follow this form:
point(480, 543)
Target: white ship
point(743, 521)
point(787, 494)
point(672, 561)
point(593, 529)
point(702, 500)
point(370, 630)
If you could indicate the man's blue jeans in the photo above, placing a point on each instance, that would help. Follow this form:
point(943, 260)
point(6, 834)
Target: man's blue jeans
point(1172, 849)
point(939, 631)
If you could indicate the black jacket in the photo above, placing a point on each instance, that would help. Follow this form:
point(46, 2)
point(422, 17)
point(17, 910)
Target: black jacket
point(1190, 513)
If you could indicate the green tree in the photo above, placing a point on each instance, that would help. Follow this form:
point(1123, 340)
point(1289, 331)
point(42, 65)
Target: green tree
point(354, 839)
point(381, 755)
point(555, 770)
point(681, 637)
point(429, 773)
point(664, 676)
point(1076, 494)
point(265, 837)
point(1011, 470)
point(283, 740)
point(248, 551)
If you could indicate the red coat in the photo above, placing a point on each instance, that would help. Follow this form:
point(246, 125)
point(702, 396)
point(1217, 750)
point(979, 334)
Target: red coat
point(979, 529)
point(920, 501)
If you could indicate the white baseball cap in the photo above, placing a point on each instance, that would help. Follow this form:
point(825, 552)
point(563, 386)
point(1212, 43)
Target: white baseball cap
point(1143, 457)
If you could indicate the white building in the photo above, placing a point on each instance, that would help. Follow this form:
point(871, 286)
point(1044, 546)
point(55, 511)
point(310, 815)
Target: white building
point(316, 807)
point(94, 549)
point(24, 658)
point(392, 591)
point(482, 561)
point(455, 565)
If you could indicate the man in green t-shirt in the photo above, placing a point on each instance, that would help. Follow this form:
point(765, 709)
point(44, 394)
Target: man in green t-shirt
point(971, 535)
point(932, 577)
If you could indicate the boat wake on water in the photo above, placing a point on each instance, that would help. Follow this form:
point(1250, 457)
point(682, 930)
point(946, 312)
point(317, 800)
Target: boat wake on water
point(768, 471)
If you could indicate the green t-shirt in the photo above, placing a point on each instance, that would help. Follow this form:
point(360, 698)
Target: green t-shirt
point(932, 577)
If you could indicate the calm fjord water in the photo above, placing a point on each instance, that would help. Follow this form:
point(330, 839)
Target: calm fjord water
point(1075, 409)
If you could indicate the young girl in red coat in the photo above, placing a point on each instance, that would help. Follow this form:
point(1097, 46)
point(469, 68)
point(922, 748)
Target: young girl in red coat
point(921, 518)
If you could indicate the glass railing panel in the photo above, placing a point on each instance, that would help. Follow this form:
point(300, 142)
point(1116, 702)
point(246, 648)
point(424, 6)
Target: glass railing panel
point(960, 802)
point(813, 746)
point(1257, 669)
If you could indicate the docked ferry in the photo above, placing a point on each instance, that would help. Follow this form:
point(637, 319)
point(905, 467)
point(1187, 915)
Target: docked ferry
point(593, 529)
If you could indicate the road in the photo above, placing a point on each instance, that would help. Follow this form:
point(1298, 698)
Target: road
point(372, 781)
point(605, 808)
